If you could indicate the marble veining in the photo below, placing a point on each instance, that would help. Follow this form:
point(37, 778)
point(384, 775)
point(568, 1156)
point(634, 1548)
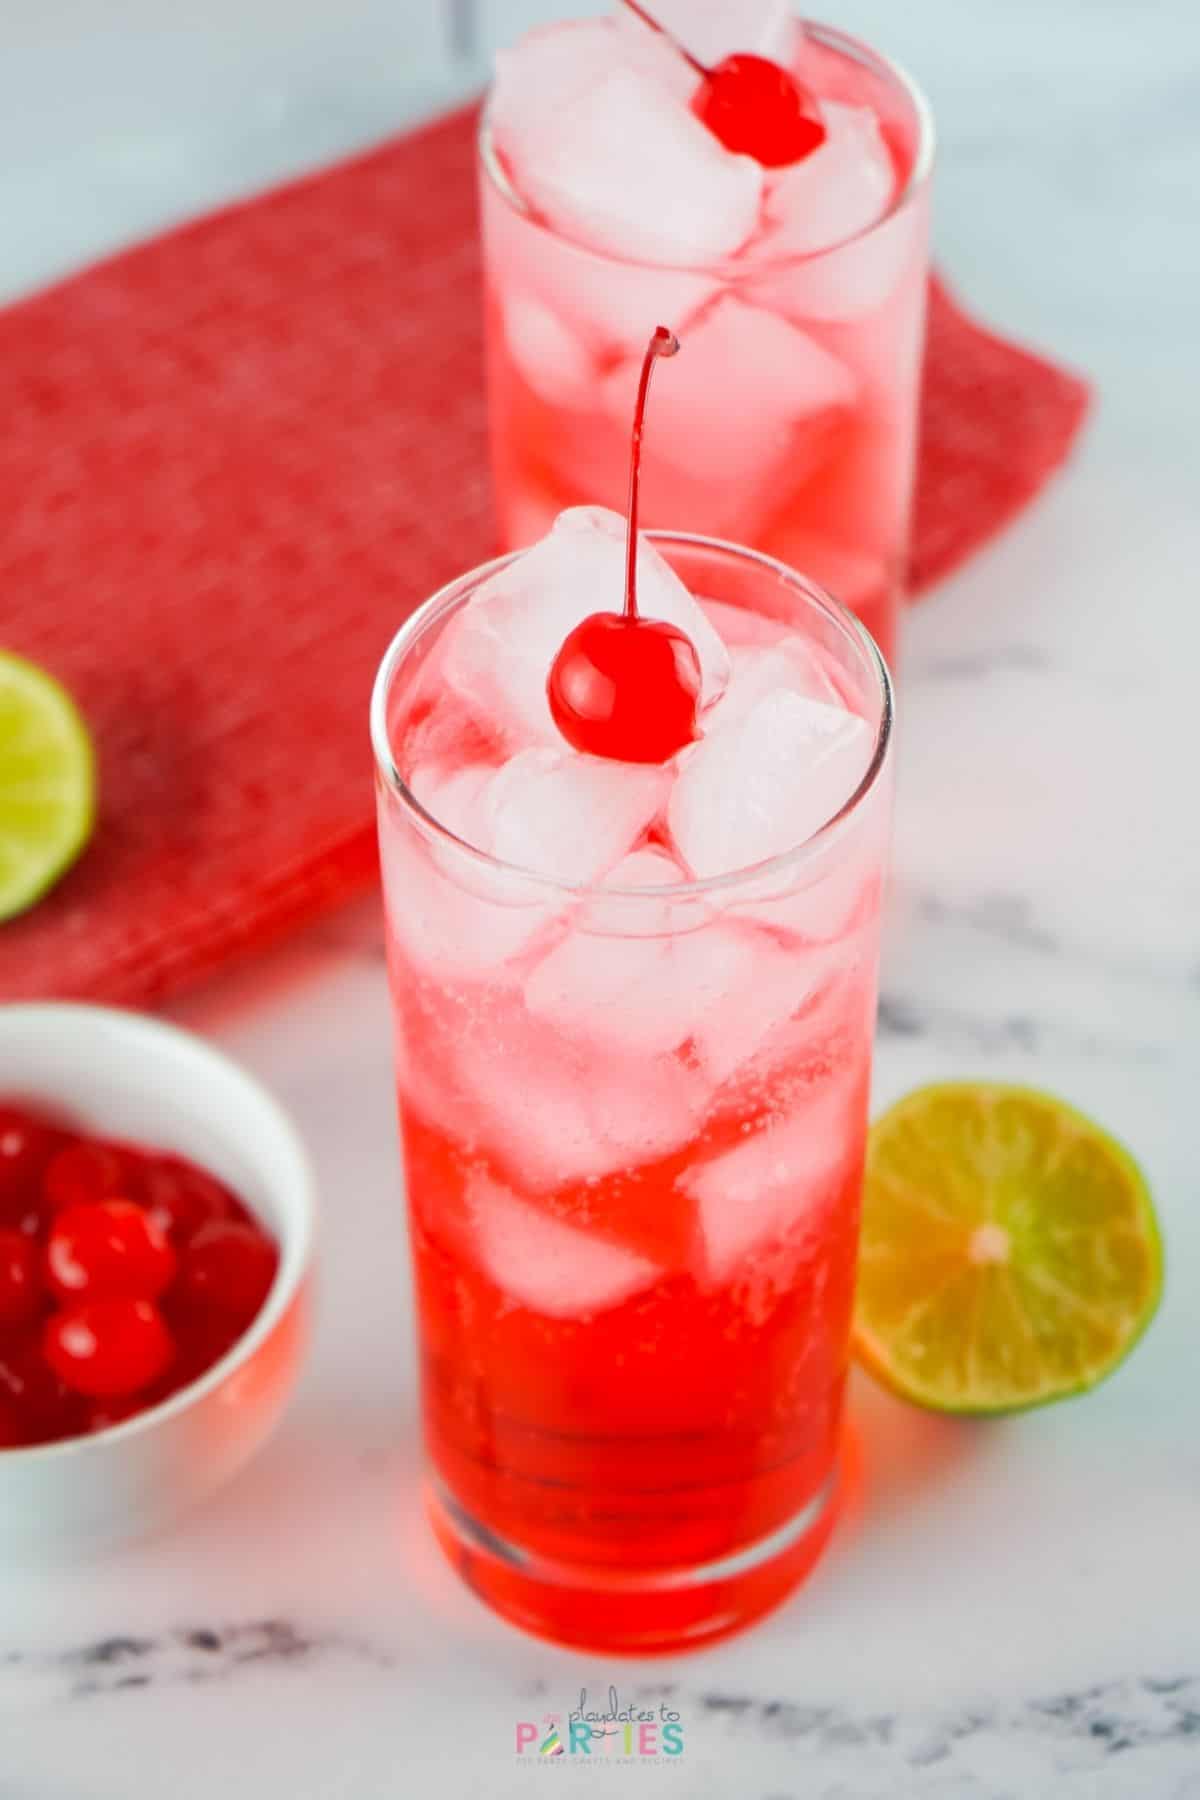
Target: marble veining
point(194, 1653)
point(955, 1030)
point(1078, 1732)
point(1008, 1611)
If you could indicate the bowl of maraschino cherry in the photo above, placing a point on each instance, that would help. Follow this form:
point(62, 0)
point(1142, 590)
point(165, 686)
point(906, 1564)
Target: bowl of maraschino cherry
point(156, 1217)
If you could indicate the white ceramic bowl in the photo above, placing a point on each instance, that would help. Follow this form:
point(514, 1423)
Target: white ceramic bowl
point(127, 1076)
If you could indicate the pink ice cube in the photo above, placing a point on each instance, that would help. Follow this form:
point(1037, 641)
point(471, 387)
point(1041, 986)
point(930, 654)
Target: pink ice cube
point(748, 411)
point(546, 1265)
point(627, 168)
point(767, 782)
point(779, 1179)
point(839, 190)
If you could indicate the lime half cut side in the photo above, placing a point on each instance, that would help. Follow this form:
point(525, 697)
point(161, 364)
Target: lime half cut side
point(1010, 1252)
point(47, 783)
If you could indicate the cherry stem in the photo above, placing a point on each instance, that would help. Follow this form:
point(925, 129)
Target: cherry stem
point(641, 13)
point(663, 343)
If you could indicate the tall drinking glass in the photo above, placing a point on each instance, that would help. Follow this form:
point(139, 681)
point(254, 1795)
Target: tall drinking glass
point(795, 432)
point(633, 1126)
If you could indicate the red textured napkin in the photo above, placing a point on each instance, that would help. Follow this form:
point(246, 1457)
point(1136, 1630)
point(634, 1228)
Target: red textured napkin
point(230, 462)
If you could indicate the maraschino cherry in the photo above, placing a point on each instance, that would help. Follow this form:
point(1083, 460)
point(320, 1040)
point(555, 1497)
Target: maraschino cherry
point(623, 686)
point(750, 104)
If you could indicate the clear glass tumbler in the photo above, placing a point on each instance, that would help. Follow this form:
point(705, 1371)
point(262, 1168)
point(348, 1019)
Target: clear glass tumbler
point(794, 428)
point(634, 1222)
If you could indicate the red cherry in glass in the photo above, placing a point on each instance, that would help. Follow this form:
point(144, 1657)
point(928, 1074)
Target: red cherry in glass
point(20, 1280)
point(751, 105)
point(110, 1248)
point(84, 1172)
point(229, 1268)
point(180, 1198)
point(759, 109)
point(622, 686)
point(626, 688)
point(108, 1348)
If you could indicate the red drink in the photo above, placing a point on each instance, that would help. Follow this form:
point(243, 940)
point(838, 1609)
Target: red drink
point(799, 291)
point(634, 1007)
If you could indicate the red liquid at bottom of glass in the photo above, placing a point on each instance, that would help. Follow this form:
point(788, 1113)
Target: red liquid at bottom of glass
point(655, 1474)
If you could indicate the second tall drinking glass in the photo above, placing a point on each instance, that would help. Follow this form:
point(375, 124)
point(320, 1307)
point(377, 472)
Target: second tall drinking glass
point(795, 432)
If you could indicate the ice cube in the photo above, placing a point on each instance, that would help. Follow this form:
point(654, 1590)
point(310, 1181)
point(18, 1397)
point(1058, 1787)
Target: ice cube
point(715, 29)
point(548, 811)
point(609, 307)
point(841, 189)
point(652, 867)
point(656, 911)
point(543, 77)
point(704, 986)
point(639, 997)
point(569, 816)
point(823, 901)
point(553, 1112)
point(748, 413)
point(851, 282)
point(540, 80)
point(547, 1113)
point(791, 663)
point(563, 338)
point(453, 797)
point(780, 1178)
point(443, 916)
point(774, 986)
point(551, 358)
point(738, 625)
point(767, 783)
point(498, 651)
point(557, 815)
point(545, 1265)
point(626, 168)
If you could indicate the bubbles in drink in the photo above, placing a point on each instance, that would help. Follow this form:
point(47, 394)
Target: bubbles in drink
point(774, 1182)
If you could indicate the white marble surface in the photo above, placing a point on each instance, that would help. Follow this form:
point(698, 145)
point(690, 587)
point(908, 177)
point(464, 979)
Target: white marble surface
point(1013, 1611)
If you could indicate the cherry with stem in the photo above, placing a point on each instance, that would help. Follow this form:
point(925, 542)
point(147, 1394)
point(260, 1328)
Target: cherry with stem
point(750, 104)
point(623, 686)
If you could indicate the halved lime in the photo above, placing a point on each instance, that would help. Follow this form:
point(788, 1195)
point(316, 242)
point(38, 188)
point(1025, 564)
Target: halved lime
point(1010, 1252)
point(47, 783)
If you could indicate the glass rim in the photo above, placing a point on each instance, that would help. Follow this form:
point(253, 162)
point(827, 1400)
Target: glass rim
point(918, 178)
point(459, 589)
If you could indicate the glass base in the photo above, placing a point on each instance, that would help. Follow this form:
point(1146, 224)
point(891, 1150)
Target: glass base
point(645, 1614)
